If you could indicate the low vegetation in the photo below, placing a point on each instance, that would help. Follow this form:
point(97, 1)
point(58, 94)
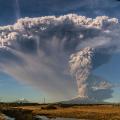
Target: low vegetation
point(101, 112)
point(91, 112)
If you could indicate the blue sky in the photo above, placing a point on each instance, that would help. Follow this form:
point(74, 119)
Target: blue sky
point(111, 72)
point(11, 89)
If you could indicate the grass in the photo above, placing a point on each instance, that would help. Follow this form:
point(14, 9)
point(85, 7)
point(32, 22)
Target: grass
point(2, 116)
point(91, 112)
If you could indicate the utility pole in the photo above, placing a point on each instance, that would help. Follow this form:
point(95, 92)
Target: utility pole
point(0, 99)
point(44, 100)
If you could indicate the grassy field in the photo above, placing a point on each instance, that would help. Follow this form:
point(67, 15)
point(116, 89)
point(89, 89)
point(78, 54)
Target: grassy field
point(2, 116)
point(91, 112)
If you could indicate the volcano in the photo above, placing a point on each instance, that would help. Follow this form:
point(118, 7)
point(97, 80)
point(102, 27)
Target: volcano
point(82, 100)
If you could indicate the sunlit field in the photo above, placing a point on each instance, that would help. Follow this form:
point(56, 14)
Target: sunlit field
point(91, 112)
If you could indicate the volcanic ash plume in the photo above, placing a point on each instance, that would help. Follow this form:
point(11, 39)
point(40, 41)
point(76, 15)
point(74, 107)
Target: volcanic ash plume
point(38, 51)
point(80, 67)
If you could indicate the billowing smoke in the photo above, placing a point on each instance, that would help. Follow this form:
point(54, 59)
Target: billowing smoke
point(49, 52)
point(80, 67)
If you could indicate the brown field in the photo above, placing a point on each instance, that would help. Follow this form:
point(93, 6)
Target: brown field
point(91, 112)
point(1, 116)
